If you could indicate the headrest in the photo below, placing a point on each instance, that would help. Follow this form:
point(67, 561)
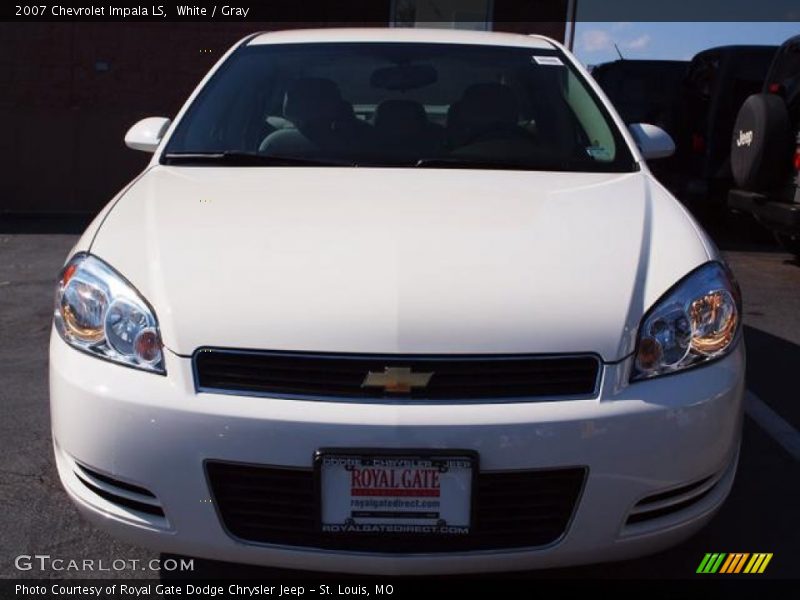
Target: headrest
point(311, 99)
point(488, 103)
point(398, 116)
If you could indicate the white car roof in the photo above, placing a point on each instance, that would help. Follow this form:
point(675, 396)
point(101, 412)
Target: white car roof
point(402, 34)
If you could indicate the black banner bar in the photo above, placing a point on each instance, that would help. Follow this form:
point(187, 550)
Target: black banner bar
point(386, 588)
point(383, 12)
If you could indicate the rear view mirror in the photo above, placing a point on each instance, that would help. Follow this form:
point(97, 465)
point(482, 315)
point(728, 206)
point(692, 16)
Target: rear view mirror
point(147, 133)
point(653, 142)
point(403, 77)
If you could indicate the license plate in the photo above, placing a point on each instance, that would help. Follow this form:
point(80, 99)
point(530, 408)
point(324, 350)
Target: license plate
point(418, 494)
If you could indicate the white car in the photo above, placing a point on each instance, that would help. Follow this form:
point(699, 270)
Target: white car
point(397, 301)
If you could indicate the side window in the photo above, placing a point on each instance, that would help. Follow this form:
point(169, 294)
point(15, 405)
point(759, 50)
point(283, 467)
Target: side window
point(702, 76)
point(602, 147)
point(786, 69)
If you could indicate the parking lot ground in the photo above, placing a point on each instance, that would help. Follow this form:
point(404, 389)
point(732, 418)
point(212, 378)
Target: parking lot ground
point(771, 281)
point(761, 514)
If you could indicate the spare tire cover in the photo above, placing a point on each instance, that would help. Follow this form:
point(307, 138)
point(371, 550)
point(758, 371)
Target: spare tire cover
point(762, 142)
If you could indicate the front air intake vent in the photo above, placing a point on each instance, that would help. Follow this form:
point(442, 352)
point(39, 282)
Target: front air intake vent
point(118, 492)
point(671, 501)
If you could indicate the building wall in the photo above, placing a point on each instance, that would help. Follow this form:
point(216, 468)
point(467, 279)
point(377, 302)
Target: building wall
point(70, 91)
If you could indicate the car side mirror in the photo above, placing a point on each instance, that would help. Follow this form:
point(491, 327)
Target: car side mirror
point(147, 133)
point(653, 142)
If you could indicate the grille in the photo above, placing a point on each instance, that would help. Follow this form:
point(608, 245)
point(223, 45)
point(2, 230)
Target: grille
point(513, 509)
point(341, 376)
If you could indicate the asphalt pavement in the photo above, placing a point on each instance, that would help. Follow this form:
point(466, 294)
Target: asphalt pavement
point(761, 514)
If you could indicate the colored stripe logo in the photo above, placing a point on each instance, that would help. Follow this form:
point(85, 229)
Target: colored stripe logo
point(737, 562)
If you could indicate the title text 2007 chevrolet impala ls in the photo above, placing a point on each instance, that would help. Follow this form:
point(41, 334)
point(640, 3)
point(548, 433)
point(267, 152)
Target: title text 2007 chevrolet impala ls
point(397, 301)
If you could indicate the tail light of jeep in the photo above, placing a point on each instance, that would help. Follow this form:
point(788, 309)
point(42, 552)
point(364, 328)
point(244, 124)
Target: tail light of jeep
point(796, 165)
point(698, 143)
point(796, 159)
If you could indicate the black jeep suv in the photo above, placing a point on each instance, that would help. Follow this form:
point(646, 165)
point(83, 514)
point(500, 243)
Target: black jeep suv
point(765, 150)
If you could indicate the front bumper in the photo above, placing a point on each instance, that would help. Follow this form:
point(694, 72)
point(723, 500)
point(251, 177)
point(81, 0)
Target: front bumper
point(637, 440)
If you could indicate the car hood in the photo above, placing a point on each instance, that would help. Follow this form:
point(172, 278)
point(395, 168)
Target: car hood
point(399, 260)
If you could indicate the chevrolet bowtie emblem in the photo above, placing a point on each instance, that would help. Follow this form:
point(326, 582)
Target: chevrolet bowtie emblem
point(397, 379)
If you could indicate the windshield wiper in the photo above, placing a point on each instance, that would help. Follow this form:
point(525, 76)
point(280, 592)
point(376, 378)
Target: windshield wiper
point(455, 162)
point(237, 158)
point(250, 159)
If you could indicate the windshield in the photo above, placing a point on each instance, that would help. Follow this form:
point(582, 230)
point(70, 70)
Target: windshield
point(399, 105)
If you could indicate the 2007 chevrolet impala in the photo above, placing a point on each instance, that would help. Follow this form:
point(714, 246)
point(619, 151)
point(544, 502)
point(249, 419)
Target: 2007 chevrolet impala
point(397, 301)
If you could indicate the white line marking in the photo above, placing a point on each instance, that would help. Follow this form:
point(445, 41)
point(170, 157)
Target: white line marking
point(775, 425)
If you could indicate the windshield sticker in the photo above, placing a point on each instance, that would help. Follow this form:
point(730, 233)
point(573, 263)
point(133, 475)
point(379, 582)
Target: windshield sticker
point(598, 153)
point(548, 60)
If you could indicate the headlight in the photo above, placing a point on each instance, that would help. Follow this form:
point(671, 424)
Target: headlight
point(99, 312)
point(695, 322)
